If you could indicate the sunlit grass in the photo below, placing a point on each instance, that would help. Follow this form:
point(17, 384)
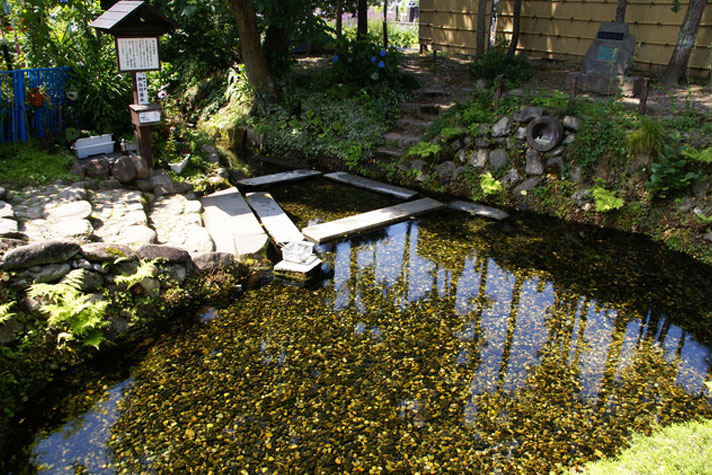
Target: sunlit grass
point(678, 449)
point(24, 164)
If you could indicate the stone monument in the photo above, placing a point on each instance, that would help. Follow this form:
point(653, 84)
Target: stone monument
point(606, 61)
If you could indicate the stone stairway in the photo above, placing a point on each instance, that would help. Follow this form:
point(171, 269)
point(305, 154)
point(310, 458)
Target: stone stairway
point(417, 117)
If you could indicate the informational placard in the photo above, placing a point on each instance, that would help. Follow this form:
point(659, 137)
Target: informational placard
point(137, 54)
point(607, 53)
point(149, 117)
point(142, 89)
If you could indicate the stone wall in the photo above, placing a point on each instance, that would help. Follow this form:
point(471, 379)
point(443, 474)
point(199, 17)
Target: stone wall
point(517, 149)
point(99, 264)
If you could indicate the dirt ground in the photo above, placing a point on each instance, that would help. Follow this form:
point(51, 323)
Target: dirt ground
point(450, 72)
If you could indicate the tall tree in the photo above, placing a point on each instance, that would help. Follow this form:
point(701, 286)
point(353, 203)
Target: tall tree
point(481, 26)
point(685, 42)
point(621, 7)
point(339, 15)
point(258, 72)
point(493, 23)
point(362, 23)
point(516, 22)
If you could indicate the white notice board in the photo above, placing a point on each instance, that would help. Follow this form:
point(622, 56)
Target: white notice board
point(137, 54)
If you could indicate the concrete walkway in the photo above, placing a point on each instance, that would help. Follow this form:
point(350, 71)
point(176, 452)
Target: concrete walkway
point(231, 224)
point(278, 225)
point(278, 178)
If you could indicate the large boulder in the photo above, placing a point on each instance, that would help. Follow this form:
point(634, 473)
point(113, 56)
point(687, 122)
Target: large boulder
point(528, 114)
point(98, 167)
point(48, 252)
point(147, 252)
point(104, 251)
point(142, 170)
point(124, 169)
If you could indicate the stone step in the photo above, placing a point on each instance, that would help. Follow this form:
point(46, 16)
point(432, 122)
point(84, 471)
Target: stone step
point(384, 154)
point(403, 141)
point(231, 224)
point(411, 123)
point(424, 110)
point(372, 185)
point(430, 92)
point(364, 222)
point(278, 178)
point(278, 225)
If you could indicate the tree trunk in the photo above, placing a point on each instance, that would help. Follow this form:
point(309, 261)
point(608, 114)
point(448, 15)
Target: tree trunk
point(493, 23)
point(258, 72)
point(481, 27)
point(620, 11)
point(339, 19)
point(685, 42)
point(362, 24)
point(516, 21)
point(276, 47)
point(385, 23)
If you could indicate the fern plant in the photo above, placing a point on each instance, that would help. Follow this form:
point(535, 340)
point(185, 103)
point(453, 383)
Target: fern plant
point(489, 184)
point(146, 270)
point(80, 315)
point(5, 313)
point(605, 200)
point(703, 155)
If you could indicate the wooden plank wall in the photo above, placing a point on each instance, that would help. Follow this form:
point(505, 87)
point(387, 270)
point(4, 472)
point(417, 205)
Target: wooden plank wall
point(564, 29)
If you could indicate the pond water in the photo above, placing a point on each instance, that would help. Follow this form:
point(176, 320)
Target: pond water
point(446, 344)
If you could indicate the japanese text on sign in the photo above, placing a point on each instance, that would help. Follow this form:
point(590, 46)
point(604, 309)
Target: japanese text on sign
point(142, 88)
point(137, 54)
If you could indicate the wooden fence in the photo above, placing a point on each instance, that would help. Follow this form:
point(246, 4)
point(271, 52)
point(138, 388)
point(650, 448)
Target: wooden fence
point(564, 29)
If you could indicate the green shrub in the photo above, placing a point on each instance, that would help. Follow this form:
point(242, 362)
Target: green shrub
point(365, 62)
point(515, 69)
point(601, 137)
point(669, 173)
point(648, 138)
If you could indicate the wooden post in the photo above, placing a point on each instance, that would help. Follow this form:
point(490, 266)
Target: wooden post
point(643, 97)
point(498, 92)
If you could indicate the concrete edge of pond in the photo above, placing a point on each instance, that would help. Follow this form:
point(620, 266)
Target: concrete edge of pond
point(279, 178)
point(479, 210)
point(372, 185)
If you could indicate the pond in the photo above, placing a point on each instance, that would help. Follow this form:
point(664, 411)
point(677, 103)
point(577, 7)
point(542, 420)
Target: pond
point(446, 344)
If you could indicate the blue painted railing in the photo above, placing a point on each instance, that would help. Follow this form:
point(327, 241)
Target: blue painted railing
point(21, 117)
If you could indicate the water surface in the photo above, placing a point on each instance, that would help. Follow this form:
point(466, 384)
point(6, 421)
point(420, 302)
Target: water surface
point(441, 345)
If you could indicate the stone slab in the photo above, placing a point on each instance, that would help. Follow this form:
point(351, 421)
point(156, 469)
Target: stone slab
point(291, 267)
point(231, 223)
point(372, 185)
point(277, 178)
point(479, 210)
point(278, 225)
point(362, 223)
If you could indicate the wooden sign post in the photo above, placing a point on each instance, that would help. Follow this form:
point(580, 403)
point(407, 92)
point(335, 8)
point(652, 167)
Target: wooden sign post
point(136, 27)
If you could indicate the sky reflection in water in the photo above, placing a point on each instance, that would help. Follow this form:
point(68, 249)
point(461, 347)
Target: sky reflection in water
point(274, 384)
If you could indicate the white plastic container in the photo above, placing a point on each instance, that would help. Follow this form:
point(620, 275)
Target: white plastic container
point(297, 251)
point(93, 145)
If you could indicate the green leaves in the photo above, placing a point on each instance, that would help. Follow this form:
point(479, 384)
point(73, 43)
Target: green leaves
point(605, 200)
point(80, 315)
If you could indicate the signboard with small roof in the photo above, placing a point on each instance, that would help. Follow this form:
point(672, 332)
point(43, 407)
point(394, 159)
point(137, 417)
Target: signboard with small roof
point(136, 27)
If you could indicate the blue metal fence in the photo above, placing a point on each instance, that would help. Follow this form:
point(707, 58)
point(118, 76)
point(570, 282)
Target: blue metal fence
point(34, 103)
